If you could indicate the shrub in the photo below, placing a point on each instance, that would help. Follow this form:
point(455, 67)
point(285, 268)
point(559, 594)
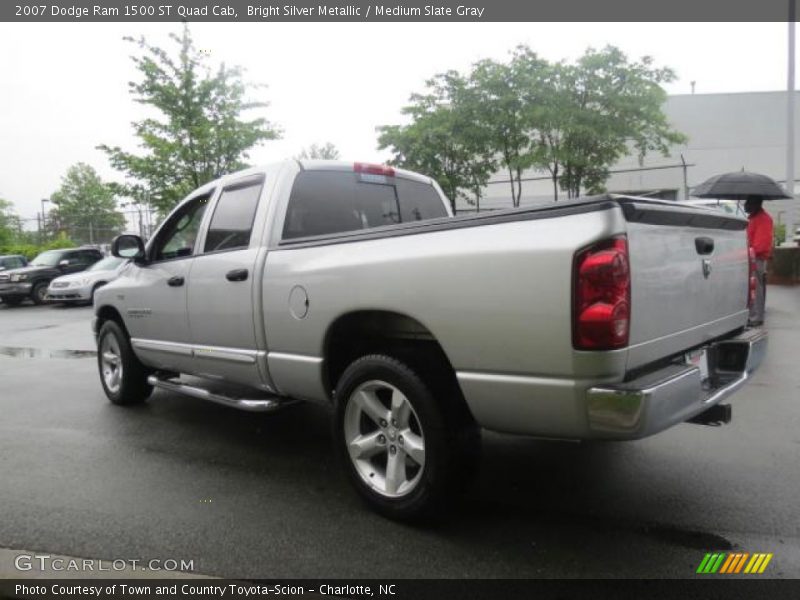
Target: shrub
point(29, 251)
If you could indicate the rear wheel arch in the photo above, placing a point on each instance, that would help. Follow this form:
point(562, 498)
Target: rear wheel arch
point(362, 333)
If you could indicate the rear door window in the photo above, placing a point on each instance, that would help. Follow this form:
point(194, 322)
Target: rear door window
point(232, 222)
point(326, 202)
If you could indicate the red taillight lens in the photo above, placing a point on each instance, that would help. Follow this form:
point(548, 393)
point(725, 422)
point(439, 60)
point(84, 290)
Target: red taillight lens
point(602, 299)
point(751, 286)
point(373, 169)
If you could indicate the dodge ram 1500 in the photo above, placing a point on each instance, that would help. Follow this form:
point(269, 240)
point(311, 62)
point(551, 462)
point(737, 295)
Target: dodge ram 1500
point(607, 317)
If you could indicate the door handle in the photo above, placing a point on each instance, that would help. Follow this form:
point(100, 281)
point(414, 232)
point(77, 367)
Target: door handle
point(704, 245)
point(176, 281)
point(236, 275)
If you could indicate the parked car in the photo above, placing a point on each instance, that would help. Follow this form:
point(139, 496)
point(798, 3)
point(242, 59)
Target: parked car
point(31, 281)
point(732, 207)
point(80, 287)
point(12, 261)
point(348, 284)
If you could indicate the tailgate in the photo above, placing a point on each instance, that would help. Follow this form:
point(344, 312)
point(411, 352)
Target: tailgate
point(689, 277)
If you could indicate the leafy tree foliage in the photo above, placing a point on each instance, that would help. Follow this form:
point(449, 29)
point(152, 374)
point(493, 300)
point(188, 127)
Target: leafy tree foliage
point(9, 223)
point(572, 121)
point(327, 151)
point(200, 133)
point(85, 204)
point(611, 107)
point(444, 139)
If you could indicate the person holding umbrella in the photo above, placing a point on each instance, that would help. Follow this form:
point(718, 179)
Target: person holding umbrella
point(759, 238)
point(753, 188)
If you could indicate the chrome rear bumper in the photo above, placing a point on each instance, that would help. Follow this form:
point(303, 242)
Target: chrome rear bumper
point(674, 394)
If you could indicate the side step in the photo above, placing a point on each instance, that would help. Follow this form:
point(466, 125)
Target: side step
point(265, 404)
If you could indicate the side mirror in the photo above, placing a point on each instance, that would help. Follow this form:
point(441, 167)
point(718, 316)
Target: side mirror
point(63, 264)
point(128, 246)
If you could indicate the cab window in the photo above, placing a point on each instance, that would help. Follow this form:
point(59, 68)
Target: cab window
point(326, 202)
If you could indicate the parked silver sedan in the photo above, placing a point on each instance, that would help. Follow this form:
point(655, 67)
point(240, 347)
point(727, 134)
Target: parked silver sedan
point(80, 287)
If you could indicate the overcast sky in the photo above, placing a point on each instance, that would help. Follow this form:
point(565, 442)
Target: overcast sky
point(63, 86)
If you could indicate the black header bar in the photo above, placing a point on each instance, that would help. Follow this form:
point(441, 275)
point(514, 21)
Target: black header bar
point(478, 589)
point(393, 11)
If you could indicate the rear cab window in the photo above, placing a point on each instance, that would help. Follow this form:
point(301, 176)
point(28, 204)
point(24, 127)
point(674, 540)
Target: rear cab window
point(324, 202)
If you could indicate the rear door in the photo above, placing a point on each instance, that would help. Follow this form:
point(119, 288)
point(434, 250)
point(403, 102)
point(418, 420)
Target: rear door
point(221, 291)
point(689, 278)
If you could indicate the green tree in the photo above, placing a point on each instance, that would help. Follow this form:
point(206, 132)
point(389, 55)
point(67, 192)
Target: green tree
point(85, 207)
point(444, 139)
point(507, 99)
point(200, 133)
point(605, 107)
point(327, 151)
point(10, 225)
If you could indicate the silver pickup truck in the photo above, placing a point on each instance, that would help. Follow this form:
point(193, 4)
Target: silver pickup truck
point(353, 285)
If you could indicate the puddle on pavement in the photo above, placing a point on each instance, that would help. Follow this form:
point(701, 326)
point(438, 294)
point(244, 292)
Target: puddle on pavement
point(45, 353)
point(697, 540)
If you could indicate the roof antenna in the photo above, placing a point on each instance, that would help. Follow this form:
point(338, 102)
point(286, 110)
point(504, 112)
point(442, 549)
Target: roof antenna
point(692, 84)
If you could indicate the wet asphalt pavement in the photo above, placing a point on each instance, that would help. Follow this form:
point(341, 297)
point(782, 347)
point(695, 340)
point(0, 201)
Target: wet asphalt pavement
point(248, 496)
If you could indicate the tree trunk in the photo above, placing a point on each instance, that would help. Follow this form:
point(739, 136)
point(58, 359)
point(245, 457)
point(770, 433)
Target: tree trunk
point(511, 180)
point(554, 173)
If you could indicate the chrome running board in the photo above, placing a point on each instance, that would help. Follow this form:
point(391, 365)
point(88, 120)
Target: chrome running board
point(268, 403)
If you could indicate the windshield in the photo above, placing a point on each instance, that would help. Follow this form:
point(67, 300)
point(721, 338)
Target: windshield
point(107, 264)
point(47, 259)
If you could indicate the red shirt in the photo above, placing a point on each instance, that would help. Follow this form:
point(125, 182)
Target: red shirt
point(759, 234)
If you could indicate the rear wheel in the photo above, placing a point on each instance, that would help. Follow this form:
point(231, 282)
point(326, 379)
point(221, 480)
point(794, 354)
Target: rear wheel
point(401, 453)
point(123, 377)
point(39, 293)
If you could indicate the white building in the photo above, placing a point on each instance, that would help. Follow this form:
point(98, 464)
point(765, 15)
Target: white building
point(727, 132)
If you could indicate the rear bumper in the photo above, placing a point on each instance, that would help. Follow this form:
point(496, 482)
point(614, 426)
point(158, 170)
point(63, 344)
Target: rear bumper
point(580, 409)
point(671, 395)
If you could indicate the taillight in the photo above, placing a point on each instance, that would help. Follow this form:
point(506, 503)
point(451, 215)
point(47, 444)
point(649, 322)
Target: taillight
point(601, 312)
point(751, 286)
point(373, 169)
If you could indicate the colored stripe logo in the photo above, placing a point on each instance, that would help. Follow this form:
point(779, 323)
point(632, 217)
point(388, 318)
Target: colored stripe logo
point(734, 562)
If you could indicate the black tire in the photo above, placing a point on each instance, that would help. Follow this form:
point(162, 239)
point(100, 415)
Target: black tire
point(39, 293)
point(12, 300)
point(446, 458)
point(132, 386)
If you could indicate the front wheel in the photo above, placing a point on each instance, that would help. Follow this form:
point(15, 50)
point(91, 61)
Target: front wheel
point(123, 377)
point(392, 435)
point(39, 293)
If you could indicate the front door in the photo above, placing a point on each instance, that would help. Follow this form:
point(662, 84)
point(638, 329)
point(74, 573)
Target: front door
point(221, 289)
point(156, 300)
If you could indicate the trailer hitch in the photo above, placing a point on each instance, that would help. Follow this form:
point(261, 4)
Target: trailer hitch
point(719, 414)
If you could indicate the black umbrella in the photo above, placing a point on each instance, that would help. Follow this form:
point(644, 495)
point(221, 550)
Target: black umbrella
point(738, 186)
